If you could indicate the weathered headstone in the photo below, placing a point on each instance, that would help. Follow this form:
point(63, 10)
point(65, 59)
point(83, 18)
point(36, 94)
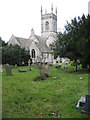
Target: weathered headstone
point(29, 65)
point(46, 60)
point(1, 68)
point(81, 102)
point(15, 65)
point(63, 65)
point(8, 69)
point(54, 62)
point(46, 70)
point(86, 108)
point(23, 63)
point(58, 59)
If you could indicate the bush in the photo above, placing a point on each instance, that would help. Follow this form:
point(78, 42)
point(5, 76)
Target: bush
point(72, 63)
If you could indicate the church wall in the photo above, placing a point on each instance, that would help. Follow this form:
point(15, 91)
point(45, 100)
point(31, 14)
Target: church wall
point(50, 40)
point(37, 51)
point(13, 41)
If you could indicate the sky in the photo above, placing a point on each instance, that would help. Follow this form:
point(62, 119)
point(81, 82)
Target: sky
point(18, 17)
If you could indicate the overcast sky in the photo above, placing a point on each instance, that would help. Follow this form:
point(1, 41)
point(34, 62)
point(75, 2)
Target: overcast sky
point(18, 17)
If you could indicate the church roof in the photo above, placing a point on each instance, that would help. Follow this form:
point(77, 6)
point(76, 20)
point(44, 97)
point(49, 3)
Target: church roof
point(41, 39)
point(22, 41)
point(41, 44)
point(42, 47)
point(28, 43)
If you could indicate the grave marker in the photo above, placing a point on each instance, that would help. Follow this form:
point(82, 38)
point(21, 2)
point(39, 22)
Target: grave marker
point(29, 65)
point(63, 65)
point(8, 69)
point(86, 108)
point(54, 62)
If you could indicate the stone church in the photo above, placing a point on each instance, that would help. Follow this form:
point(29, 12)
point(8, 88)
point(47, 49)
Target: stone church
point(40, 46)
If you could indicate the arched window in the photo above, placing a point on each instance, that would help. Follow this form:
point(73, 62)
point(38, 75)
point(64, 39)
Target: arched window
point(33, 53)
point(47, 25)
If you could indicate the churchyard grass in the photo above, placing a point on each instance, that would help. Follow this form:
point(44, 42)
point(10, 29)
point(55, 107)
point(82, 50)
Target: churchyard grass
point(22, 97)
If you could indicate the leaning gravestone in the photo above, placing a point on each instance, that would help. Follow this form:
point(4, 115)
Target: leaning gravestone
point(8, 69)
point(86, 108)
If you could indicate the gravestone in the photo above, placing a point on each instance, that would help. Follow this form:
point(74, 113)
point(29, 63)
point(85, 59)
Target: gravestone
point(23, 63)
point(15, 65)
point(8, 69)
point(54, 62)
point(63, 65)
point(46, 70)
point(29, 65)
point(58, 59)
point(1, 68)
point(81, 102)
point(86, 108)
point(46, 60)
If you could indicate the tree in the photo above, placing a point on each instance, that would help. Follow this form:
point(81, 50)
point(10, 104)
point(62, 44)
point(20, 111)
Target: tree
point(74, 42)
point(59, 46)
point(84, 31)
point(14, 55)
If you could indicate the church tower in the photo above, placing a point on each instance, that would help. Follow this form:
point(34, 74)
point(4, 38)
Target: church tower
point(48, 22)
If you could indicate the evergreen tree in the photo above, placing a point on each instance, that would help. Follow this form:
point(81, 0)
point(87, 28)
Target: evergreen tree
point(14, 55)
point(74, 42)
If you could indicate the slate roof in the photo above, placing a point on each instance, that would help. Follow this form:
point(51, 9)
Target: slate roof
point(42, 47)
point(22, 41)
point(41, 39)
point(25, 43)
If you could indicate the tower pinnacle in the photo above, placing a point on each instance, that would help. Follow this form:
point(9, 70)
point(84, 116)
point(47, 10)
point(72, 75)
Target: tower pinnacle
point(56, 11)
point(45, 11)
point(41, 9)
point(32, 31)
point(51, 8)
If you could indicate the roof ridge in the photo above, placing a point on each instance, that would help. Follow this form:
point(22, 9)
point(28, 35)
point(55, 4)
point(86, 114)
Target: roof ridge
point(20, 37)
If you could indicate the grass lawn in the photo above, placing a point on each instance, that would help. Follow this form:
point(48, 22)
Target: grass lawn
point(22, 97)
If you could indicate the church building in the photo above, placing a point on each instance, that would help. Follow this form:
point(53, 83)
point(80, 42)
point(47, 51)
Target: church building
point(40, 46)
